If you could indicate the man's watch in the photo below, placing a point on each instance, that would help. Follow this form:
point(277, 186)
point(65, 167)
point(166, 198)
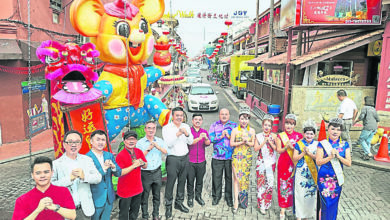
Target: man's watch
point(57, 208)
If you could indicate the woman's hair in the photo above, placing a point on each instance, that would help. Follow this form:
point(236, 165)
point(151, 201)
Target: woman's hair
point(290, 121)
point(309, 129)
point(245, 115)
point(264, 120)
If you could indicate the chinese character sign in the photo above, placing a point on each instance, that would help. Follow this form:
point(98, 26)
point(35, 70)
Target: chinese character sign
point(87, 120)
point(352, 12)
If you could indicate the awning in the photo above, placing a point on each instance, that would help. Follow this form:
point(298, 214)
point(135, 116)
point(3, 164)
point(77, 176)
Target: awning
point(225, 59)
point(9, 50)
point(325, 49)
point(33, 48)
point(257, 61)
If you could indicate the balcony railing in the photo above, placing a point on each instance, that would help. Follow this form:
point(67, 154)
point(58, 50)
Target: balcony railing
point(267, 92)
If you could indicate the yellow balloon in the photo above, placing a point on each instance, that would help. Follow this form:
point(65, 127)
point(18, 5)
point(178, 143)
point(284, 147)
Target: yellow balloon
point(380, 131)
point(375, 139)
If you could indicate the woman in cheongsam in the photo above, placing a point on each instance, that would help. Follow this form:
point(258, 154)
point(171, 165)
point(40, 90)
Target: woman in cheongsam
point(332, 154)
point(285, 147)
point(265, 164)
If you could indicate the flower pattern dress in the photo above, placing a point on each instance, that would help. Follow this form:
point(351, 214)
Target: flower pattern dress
point(265, 168)
point(242, 162)
point(329, 188)
point(285, 171)
point(305, 189)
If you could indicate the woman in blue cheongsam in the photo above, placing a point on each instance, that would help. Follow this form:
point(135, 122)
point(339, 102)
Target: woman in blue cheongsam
point(332, 154)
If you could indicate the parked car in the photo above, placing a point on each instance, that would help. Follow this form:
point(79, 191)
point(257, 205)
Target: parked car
point(202, 97)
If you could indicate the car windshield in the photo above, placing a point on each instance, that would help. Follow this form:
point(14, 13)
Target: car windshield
point(201, 91)
point(191, 79)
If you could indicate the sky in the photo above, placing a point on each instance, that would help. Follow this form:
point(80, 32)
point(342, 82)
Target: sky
point(196, 32)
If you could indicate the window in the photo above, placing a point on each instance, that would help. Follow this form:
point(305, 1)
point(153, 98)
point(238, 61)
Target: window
point(334, 72)
point(56, 19)
point(56, 4)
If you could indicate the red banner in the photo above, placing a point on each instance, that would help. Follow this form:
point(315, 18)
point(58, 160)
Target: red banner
point(86, 119)
point(341, 12)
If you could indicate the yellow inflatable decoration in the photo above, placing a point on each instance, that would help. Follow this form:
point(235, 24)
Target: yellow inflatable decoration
point(122, 34)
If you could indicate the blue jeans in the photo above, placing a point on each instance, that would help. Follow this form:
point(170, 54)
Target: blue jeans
point(103, 213)
point(365, 140)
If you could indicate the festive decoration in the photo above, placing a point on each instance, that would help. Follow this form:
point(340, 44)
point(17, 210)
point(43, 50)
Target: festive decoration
point(221, 41)
point(218, 46)
point(22, 70)
point(228, 23)
point(165, 32)
point(162, 57)
point(124, 49)
point(172, 79)
point(70, 69)
point(224, 34)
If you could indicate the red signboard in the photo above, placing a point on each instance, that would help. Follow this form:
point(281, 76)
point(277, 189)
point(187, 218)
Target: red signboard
point(341, 12)
point(383, 90)
point(86, 118)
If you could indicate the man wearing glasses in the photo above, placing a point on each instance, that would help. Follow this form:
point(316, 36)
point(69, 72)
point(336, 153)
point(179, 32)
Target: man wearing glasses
point(77, 172)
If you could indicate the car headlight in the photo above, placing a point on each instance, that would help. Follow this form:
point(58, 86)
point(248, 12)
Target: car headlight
point(193, 102)
point(214, 102)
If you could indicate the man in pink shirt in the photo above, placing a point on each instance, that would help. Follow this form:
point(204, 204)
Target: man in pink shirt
point(197, 162)
point(45, 201)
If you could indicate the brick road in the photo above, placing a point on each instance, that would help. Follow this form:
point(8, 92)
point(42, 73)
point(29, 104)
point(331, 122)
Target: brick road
point(366, 193)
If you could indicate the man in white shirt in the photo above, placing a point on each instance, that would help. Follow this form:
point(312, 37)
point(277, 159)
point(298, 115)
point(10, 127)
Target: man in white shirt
point(176, 135)
point(348, 112)
point(76, 171)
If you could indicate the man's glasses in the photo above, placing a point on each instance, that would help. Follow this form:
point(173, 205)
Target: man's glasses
point(72, 142)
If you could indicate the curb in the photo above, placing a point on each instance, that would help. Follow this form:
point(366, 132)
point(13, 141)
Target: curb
point(26, 155)
point(372, 166)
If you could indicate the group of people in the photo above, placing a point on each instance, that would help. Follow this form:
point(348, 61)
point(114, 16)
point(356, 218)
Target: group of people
point(81, 185)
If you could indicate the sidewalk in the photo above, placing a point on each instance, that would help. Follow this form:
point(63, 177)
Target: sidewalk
point(40, 143)
point(356, 160)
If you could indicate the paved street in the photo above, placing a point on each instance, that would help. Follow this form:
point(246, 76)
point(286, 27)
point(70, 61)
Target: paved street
point(366, 193)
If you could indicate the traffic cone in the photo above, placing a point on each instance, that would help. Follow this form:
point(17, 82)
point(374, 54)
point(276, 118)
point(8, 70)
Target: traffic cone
point(322, 134)
point(383, 152)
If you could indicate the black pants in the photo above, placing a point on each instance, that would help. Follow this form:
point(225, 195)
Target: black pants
point(176, 169)
point(151, 179)
point(218, 167)
point(195, 171)
point(129, 207)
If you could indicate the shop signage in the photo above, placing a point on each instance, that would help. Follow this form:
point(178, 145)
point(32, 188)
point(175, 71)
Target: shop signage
point(289, 13)
point(33, 86)
point(334, 80)
point(325, 100)
point(374, 48)
point(38, 123)
point(240, 14)
point(340, 12)
point(273, 76)
point(208, 15)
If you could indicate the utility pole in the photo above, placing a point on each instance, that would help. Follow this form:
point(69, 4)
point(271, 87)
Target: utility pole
point(257, 28)
point(271, 29)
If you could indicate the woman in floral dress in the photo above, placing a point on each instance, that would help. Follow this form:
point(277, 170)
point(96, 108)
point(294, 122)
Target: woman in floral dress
point(305, 177)
point(242, 139)
point(265, 164)
point(285, 147)
point(332, 154)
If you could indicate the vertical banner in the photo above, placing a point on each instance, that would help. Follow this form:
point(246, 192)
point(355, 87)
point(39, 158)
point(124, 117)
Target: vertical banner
point(288, 13)
point(383, 90)
point(87, 118)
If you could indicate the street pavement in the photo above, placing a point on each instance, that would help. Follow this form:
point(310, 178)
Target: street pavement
point(366, 192)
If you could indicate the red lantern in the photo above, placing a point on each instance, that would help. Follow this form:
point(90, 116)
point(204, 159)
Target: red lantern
point(216, 50)
point(165, 32)
point(277, 11)
point(224, 34)
point(218, 46)
point(228, 23)
point(174, 45)
point(221, 41)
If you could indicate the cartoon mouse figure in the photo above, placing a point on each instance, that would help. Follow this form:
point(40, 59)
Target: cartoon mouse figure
point(122, 34)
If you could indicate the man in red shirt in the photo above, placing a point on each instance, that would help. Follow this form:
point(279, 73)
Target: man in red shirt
point(45, 201)
point(129, 188)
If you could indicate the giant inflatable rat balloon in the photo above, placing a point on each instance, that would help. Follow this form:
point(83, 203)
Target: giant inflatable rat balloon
point(122, 34)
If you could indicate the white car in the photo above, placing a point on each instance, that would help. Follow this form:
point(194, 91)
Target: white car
point(202, 97)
